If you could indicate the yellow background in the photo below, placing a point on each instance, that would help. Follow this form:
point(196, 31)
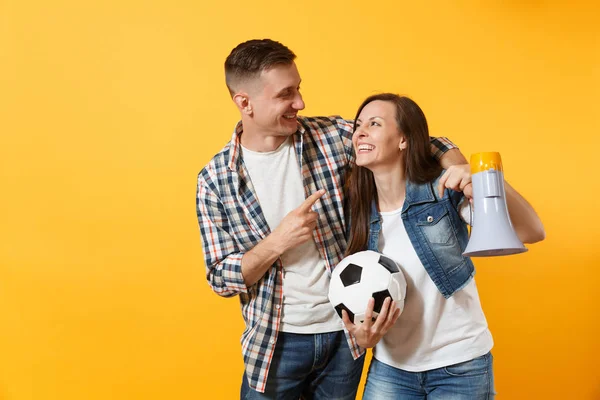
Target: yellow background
point(108, 109)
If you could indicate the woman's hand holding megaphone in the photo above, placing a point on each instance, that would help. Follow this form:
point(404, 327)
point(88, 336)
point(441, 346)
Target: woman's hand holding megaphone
point(457, 178)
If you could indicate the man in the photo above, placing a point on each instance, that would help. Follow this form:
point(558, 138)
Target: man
point(270, 209)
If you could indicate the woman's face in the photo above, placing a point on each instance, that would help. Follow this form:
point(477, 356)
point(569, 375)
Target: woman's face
point(377, 140)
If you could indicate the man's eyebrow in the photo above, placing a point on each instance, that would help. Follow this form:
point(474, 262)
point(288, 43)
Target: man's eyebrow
point(288, 88)
point(282, 91)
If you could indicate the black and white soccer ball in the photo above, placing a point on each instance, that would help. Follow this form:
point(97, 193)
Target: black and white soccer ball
point(361, 276)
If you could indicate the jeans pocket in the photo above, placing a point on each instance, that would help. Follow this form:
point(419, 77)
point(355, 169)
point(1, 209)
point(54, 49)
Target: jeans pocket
point(477, 366)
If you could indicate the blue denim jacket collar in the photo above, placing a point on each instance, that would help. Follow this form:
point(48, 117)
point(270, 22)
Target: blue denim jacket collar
point(375, 217)
point(416, 193)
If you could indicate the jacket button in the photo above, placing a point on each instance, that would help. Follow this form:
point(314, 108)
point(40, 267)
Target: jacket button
point(430, 219)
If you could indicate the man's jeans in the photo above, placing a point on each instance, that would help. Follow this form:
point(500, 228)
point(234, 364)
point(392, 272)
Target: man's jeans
point(314, 366)
point(470, 380)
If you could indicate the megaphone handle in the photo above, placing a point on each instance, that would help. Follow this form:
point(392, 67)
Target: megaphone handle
point(471, 220)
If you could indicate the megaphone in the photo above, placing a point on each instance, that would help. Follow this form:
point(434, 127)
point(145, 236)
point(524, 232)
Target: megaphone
point(492, 233)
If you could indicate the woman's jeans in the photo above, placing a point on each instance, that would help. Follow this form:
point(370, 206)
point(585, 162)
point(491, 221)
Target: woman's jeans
point(314, 366)
point(470, 380)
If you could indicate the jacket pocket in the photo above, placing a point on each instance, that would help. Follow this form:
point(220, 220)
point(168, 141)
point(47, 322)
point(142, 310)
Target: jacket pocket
point(435, 224)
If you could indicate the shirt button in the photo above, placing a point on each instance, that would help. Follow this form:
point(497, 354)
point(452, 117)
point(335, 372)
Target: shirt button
point(272, 341)
point(278, 306)
point(430, 219)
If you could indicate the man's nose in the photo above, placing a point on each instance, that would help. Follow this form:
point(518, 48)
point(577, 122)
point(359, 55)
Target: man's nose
point(298, 102)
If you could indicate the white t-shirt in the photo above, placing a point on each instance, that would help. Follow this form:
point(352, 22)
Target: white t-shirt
point(432, 332)
point(278, 184)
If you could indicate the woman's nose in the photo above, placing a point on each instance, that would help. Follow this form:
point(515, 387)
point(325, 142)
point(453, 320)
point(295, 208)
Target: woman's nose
point(360, 132)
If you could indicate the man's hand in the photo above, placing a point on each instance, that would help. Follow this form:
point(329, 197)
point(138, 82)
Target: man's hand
point(368, 333)
point(297, 226)
point(294, 229)
point(457, 178)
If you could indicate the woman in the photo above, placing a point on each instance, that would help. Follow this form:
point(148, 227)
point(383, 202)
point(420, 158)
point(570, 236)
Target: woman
point(402, 205)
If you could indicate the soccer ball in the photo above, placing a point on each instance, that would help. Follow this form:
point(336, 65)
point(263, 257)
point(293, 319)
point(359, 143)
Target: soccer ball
point(361, 276)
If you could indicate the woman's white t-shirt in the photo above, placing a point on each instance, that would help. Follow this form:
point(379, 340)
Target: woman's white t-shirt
point(432, 332)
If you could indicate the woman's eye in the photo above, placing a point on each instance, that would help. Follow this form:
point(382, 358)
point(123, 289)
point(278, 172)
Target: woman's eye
point(373, 123)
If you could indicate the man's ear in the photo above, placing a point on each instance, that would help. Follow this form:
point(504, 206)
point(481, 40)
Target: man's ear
point(242, 101)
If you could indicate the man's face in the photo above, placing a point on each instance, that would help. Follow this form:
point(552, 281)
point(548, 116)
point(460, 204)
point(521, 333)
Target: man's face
point(276, 100)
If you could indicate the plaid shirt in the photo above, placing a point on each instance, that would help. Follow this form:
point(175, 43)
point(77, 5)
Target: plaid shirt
point(232, 223)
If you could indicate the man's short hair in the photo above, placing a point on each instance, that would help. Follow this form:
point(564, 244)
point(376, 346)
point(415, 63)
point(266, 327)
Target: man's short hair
point(247, 60)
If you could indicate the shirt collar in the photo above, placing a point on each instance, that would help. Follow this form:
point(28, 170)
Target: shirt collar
point(235, 160)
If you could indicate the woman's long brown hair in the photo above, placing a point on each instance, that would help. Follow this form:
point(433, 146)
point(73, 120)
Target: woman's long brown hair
point(420, 166)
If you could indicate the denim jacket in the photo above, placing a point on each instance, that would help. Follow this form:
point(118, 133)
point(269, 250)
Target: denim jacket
point(437, 233)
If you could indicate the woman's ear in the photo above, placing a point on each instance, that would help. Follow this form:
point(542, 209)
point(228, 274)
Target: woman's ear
point(403, 143)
